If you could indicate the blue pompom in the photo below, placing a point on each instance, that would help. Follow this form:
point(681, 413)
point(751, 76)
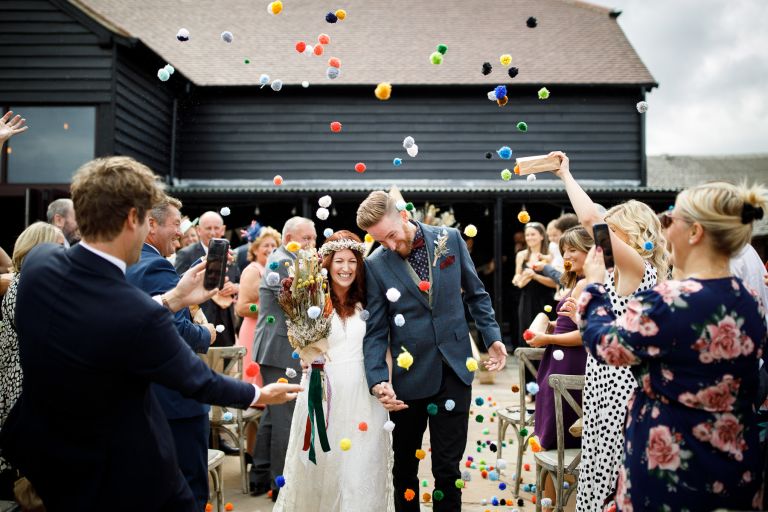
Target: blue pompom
point(532, 388)
point(500, 91)
point(227, 416)
point(502, 486)
point(280, 481)
point(274, 265)
point(331, 17)
point(495, 501)
point(397, 162)
point(479, 400)
point(493, 476)
point(504, 152)
point(327, 232)
point(648, 245)
point(295, 355)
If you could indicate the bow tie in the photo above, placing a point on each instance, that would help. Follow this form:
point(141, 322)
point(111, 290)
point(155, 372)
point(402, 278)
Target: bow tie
point(417, 243)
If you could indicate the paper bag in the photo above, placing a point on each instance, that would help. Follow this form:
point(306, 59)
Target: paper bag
point(534, 164)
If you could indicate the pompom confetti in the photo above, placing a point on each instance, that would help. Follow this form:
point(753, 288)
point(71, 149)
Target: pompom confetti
point(547, 502)
point(479, 401)
point(471, 364)
point(290, 373)
point(270, 319)
point(397, 162)
point(534, 443)
point(274, 265)
point(504, 152)
point(501, 464)
point(314, 312)
point(506, 175)
point(441, 48)
point(345, 444)
point(543, 93)
point(163, 75)
point(305, 84)
point(424, 286)
point(368, 238)
point(532, 388)
point(513, 72)
point(170, 69)
point(383, 91)
point(408, 142)
point(341, 14)
point(293, 246)
point(531, 22)
point(253, 369)
point(277, 85)
point(413, 151)
point(399, 320)
point(505, 60)
point(360, 167)
point(220, 328)
point(229, 507)
point(450, 405)
point(324, 39)
point(362, 426)
point(331, 17)
point(648, 245)
point(436, 58)
point(335, 127)
point(522, 126)
point(409, 494)
point(548, 308)
point(273, 279)
point(389, 426)
point(459, 483)
point(530, 177)
point(558, 355)
point(277, 180)
point(500, 91)
point(487, 68)
point(503, 101)
point(393, 295)
point(642, 107)
point(263, 79)
point(492, 95)
point(405, 359)
point(524, 217)
point(325, 201)
point(438, 495)
point(225, 211)
point(280, 481)
point(275, 8)
point(332, 73)
point(365, 315)
point(301, 46)
point(182, 35)
point(227, 36)
point(334, 62)
point(470, 231)
point(322, 213)
point(432, 409)
point(400, 205)
point(420, 454)
point(318, 50)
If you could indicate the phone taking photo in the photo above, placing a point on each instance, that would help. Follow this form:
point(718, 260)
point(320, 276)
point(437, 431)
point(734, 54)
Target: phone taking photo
point(602, 235)
point(216, 264)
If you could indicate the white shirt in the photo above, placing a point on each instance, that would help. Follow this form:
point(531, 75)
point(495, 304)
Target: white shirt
point(747, 266)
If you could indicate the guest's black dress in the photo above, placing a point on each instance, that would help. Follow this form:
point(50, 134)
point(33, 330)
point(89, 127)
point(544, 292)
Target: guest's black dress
point(533, 297)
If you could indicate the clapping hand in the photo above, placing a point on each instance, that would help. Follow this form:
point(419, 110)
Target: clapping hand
point(10, 125)
point(497, 359)
point(388, 398)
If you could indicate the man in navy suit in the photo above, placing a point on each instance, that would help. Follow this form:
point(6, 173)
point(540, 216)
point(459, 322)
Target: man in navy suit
point(425, 274)
point(187, 418)
point(87, 431)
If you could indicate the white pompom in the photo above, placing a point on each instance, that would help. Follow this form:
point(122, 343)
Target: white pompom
point(531, 177)
point(492, 95)
point(225, 211)
point(501, 463)
point(408, 142)
point(277, 85)
point(273, 279)
point(313, 312)
point(393, 294)
point(389, 425)
point(399, 320)
point(220, 328)
point(324, 201)
point(365, 315)
point(305, 84)
point(413, 150)
point(558, 355)
point(400, 205)
point(290, 373)
point(227, 36)
point(322, 213)
point(642, 107)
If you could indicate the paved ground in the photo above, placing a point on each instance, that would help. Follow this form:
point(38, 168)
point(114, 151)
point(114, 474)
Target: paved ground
point(476, 490)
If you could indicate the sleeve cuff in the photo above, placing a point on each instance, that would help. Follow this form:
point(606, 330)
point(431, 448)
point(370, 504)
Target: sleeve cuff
point(158, 298)
point(257, 394)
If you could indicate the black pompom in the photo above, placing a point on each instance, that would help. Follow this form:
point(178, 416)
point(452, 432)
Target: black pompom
point(513, 72)
point(487, 68)
point(520, 502)
point(503, 502)
point(531, 22)
point(489, 155)
point(493, 447)
point(331, 17)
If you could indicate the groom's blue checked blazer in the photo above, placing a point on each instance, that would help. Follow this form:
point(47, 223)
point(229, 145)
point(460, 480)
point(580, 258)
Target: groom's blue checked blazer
point(435, 327)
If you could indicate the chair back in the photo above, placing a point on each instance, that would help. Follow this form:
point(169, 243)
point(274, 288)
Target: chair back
point(526, 356)
point(562, 385)
point(227, 361)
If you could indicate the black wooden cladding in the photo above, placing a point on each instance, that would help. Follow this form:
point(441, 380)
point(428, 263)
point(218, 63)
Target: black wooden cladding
point(258, 134)
point(143, 113)
point(47, 57)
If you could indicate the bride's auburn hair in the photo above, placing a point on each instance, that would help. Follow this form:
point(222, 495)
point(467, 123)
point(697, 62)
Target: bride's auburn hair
point(356, 292)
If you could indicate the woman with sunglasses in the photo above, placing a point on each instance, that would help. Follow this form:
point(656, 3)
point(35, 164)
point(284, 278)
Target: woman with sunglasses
point(694, 345)
point(638, 267)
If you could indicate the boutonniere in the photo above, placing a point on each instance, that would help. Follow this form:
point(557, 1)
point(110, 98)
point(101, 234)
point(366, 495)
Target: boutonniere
point(441, 247)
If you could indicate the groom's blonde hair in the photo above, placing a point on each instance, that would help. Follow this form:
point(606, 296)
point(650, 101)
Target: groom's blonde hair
point(376, 206)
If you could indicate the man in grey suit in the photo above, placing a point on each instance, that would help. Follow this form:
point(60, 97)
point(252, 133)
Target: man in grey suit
point(423, 273)
point(273, 352)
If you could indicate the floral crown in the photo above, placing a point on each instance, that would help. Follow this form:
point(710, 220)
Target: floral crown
point(339, 245)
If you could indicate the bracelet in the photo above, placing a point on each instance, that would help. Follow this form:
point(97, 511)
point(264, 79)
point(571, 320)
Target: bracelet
point(164, 300)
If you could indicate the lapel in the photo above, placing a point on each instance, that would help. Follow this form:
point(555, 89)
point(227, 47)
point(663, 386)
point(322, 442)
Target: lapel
point(400, 268)
point(430, 236)
point(148, 252)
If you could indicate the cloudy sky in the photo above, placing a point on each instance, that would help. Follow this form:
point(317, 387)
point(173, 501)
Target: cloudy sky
point(710, 58)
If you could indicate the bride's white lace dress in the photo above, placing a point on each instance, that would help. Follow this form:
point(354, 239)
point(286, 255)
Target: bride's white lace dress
point(342, 481)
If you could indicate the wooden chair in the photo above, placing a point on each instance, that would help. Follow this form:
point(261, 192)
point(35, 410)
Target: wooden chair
point(229, 361)
point(215, 462)
point(519, 417)
point(562, 461)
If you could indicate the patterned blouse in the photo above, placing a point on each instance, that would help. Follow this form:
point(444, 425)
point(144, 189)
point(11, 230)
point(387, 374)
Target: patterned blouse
point(691, 431)
point(10, 369)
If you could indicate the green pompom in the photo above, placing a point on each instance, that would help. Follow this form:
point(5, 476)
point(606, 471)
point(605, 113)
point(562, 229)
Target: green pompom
point(270, 319)
point(523, 432)
point(246, 61)
point(432, 409)
point(543, 93)
point(479, 418)
point(438, 495)
point(506, 175)
point(410, 207)
point(479, 449)
point(424, 483)
point(522, 126)
point(436, 58)
point(442, 49)
point(459, 483)
point(253, 308)
point(486, 431)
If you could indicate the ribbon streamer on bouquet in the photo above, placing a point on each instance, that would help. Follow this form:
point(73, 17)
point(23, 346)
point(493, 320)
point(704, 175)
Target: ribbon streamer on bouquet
point(316, 417)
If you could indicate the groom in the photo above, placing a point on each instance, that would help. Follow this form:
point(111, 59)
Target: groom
point(429, 267)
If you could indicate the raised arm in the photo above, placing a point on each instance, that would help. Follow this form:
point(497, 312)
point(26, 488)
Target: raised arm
point(628, 261)
point(11, 125)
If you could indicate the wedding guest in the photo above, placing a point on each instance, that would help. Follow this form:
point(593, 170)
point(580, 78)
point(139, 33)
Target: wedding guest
point(61, 213)
point(564, 353)
point(692, 439)
point(536, 290)
point(607, 388)
point(747, 266)
point(90, 341)
point(10, 369)
point(419, 273)
point(273, 352)
point(189, 232)
point(337, 482)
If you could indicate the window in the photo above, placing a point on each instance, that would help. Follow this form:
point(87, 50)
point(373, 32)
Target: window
point(59, 140)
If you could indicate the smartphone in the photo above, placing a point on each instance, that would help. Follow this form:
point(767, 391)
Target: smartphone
point(216, 264)
point(603, 240)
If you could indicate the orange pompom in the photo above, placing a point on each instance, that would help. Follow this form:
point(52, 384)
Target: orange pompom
point(426, 497)
point(360, 167)
point(334, 62)
point(208, 507)
point(318, 50)
point(229, 506)
point(324, 39)
point(527, 467)
point(277, 180)
point(363, 426)
point(253, 369)
point(335, 127)
point(534, 443)
point(301, 46)
point(420, 454)
point(517, 169)
point(515, 388)
point(503, 101)
point(484, 474)
point(424, 286)
point(282, 380)
point(533, 499)
point(409, 494)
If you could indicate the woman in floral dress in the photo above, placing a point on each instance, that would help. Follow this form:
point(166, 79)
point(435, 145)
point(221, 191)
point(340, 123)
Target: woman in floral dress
point(691, 439)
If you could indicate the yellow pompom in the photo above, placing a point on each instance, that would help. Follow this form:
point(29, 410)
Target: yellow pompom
point(341, 14)
point(368, 239)
point(524, 217)
point(548, 308)
point(534, 443)
point(470, 230)
point(405, 359)
point(472, 364)
point(420, 454)
point(276, 7)
point(383, 91)
point(505, 59)
point(282, 380)
point(293, 246)
point(345, 444)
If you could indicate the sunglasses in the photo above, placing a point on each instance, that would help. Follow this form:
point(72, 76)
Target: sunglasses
point(667, 219)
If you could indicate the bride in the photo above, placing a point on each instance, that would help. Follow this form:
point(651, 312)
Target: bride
point(342, 479)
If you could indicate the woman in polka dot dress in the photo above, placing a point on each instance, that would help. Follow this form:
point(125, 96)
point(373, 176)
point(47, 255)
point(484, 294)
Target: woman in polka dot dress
point(638, 267)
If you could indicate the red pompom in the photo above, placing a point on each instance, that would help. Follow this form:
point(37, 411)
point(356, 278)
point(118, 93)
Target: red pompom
point(363, 426)
point(324, 39)
point(334, 62)
point(468, 464)
point(528, 335)
point(335, 127)
point(360, 167)
point(527, 467)
point(318, 50)
point(301, 46)
point(253, 369)
point(424, 286)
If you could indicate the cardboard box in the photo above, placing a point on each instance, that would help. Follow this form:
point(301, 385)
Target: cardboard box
point(534, 164)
